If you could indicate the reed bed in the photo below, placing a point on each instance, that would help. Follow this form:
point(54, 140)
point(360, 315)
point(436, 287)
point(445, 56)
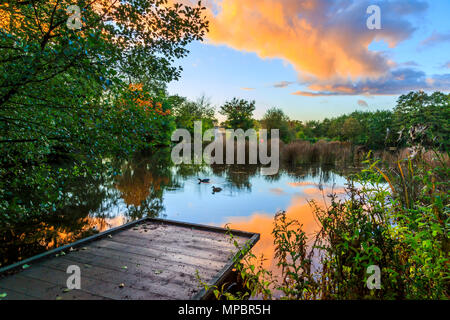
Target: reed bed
point(302, 152)
point(323, 152)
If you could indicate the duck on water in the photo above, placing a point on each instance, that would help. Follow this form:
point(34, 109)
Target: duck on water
point(216, 189)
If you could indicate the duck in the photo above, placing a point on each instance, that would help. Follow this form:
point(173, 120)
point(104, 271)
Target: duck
point(203, 180)
point(216, 189)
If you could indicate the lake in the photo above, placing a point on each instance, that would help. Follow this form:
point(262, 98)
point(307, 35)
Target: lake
point(151, 185)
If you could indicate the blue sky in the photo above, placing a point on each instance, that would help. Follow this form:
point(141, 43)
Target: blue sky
point(246, 53)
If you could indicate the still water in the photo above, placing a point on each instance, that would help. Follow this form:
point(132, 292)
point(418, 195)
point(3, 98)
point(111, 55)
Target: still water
point(152, 186)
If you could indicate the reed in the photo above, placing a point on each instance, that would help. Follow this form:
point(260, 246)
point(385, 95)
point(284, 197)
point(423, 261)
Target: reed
point(322, 152)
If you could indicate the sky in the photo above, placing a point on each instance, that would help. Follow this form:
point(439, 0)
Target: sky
point(317, 58)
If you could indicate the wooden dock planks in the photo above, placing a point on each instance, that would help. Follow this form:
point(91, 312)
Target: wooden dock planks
point(152, 258)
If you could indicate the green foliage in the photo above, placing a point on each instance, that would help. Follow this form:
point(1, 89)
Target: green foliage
point(296, 264)
point(239, 113)
point(275, 118)
point(431, 111)
point(65, 95)
point(251, 277)
point(379, 130)
point(383, 128)
point(397, 219)
point(141, 121)
point(59, 85)
point(351, 128)
point(187, 112)
point(312, 130)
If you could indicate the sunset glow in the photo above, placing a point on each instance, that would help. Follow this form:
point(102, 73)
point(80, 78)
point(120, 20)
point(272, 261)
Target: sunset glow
point(317, 57)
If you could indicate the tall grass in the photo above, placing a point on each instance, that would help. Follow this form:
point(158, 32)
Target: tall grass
point(322, 152)
point(396, 218)
point(302, 152)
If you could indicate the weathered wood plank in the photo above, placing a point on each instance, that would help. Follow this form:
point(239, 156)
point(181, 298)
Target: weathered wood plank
point(182, 248)
point(173, 232)
point(154, 253)
point(119, 259)
point(165, 284)
point(154, 259)
point(183, 237)
point(93, 281)
point(24, 287)
point(30, 287)
point(14, 295)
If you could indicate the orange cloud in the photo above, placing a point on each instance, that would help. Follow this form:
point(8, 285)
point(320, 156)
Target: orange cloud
point(326, 41)
point(307, 94)
point(363, 103)
point(319, 38)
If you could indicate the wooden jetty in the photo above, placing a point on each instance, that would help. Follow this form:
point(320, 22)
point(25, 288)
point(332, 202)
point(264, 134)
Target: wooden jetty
point(145, 259)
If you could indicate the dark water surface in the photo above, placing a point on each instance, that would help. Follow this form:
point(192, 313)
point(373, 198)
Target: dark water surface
point(151, 185)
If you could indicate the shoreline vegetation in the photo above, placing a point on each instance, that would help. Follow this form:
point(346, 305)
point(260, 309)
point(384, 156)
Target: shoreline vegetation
point(340, 153)
point(396, 219)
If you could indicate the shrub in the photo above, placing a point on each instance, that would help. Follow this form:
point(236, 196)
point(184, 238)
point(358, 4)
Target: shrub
point(395, 218)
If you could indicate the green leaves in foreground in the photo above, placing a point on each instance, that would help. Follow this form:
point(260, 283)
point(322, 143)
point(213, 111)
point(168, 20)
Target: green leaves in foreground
point(398, 223)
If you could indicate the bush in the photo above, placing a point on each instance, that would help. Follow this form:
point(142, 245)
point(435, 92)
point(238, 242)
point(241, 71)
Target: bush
point(396, 219)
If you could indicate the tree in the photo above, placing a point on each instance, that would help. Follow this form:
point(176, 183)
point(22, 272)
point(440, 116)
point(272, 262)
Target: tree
point(311, 130)
point(60, 84)
point(431, 111)
point(187, 112)
point(66, 91)
point(275, 118)
point(380, 131)
point(239, 113)
point(351, 129)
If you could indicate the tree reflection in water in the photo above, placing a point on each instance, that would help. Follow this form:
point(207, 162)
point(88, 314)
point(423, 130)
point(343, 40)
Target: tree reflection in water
point(130, 189)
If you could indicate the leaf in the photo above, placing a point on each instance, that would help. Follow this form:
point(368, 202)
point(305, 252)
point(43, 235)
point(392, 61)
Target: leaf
point(124, 267)
point(25, 266)
point(158, 271)
point(3, 295)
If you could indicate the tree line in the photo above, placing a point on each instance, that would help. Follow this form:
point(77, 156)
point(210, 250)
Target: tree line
point(380, 129)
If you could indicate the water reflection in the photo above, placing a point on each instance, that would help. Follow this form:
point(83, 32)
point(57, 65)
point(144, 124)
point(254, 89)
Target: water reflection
point(142, 183)
point(148, 185)
point(297, 208)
